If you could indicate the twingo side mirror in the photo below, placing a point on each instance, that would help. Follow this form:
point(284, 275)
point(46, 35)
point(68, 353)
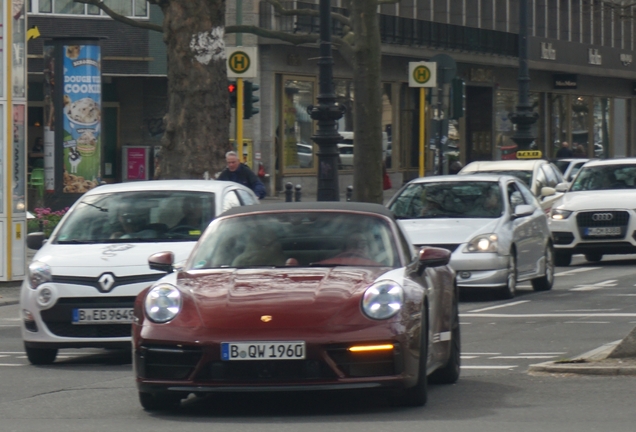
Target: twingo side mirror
point(562, 187)
point(161, 261)
point(547, 191)
point(433, 257)
point(35, 240)
point(523, 210)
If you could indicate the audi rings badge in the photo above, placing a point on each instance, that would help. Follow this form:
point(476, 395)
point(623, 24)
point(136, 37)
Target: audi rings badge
point(602, 217)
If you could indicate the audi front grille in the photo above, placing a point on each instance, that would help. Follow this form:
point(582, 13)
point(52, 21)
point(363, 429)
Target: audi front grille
point(602, 220)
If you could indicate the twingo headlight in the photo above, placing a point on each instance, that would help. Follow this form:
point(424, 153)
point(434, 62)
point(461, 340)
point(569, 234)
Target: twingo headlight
point(38, 274)
point(163, 303)
point(382, 300)
point(558, 214)
point(483, 243)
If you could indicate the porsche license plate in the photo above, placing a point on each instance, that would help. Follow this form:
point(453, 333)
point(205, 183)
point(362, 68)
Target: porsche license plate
point(103, 316)
point(263, 350)
point(603, 231)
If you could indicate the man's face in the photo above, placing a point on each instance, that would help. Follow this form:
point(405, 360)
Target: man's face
point(232, 163)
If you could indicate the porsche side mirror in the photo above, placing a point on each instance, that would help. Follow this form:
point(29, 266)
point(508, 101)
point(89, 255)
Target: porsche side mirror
point(547, 191)
point(161, 261)
point(35, 240)
point(433, 257)
point(562, 187)
point(523, 210)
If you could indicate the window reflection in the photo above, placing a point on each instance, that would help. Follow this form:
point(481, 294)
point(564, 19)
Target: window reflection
point(505, 107)
point(601, 127)
point(580, 125)
point(298, 149)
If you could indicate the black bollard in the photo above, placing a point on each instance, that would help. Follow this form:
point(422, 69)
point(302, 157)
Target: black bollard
point(298, 192)
point(289, 192)
point(349, 192)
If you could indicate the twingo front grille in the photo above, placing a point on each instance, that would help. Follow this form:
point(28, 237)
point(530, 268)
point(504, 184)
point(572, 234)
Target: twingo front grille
point(167, 362)
point(448, 246)
point(66, 329)
point(369, 363)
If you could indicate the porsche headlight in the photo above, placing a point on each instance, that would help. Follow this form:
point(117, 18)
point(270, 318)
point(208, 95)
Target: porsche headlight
point(483, 243)
point(383, 300)
point(163, 303)
point(558, 214)
point(39, 273)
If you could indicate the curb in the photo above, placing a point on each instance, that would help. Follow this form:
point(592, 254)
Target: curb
point(593, 362)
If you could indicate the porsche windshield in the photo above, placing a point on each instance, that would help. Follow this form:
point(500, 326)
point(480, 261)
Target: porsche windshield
point(449, 200)
point(147, 216)
point(315, 239)
point(606, 177)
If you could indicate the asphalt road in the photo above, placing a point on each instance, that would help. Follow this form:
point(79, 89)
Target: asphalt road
point(590, 306)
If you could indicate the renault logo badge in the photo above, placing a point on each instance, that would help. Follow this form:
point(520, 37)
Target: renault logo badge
point(106, 281)
point(266, 318)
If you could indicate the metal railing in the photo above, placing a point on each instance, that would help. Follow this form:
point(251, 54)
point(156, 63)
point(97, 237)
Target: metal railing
point(401, 31)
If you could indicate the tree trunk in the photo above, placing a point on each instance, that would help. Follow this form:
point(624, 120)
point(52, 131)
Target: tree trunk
point(367, 170)
point(198, 119)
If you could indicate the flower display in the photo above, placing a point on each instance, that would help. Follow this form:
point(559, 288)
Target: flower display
point(45, 220)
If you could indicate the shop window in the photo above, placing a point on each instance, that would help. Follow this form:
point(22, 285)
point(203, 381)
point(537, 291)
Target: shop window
point(505, 107)
point(387, 125)
point(298, 151)
point(580, 125)
point(559, 112)
point(601, 127)
point(129, 8)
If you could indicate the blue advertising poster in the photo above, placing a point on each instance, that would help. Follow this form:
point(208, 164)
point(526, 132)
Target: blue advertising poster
point(82, 117)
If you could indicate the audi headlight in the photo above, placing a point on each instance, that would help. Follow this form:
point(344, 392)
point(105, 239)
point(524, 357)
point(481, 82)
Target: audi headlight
point(163, 303)
point(38, 274)
point(382, 300)
point(483, 243)
point(558, 214)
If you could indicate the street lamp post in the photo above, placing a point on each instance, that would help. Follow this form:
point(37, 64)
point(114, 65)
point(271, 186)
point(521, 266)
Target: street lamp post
point(524, 117)
point(327, 113)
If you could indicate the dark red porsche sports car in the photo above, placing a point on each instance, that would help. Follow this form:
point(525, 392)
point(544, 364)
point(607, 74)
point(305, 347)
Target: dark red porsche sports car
point(299, 296)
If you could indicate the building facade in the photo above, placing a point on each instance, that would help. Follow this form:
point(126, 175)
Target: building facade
point(582, 80)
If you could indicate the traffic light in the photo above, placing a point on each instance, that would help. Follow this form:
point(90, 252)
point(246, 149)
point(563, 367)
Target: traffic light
point(249, 88)
point(231, 88)
point(458, 94)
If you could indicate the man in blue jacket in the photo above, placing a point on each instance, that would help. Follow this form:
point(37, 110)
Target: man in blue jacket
point(241, 173)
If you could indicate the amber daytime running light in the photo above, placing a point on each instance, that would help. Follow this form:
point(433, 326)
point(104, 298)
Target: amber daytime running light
point(364, 348)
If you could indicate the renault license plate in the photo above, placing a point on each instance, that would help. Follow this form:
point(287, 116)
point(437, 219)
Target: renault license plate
point(603, 231)
point(103, 316)
point(279, 350)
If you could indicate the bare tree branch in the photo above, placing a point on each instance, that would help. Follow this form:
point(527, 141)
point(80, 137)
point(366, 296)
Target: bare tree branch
point(117, 17)
point(278, 7)
point(295, 39)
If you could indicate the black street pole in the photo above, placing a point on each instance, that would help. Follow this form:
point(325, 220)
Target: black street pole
point(524, 117)
point(327, 113)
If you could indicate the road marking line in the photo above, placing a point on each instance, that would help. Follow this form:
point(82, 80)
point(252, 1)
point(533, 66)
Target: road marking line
point(596, 286)
point(10, 364)
point(9, 325)
point(499, 306)
point(576, 270)
point(488, 367)
point(621, 295)
point(586, 322)
point(464, 357)
point(549, 315)
point(480, 354)
point(543, 353)
point(523, 357)
point(11, 352)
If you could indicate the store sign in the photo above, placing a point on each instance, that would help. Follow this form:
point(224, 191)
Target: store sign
point(82, 105)
point(565, 81)
point(594, 57)
point(547, 52)
point(626, 59)
point(136, 163)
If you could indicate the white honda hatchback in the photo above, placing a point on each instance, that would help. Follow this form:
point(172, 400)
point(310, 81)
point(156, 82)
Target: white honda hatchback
point(82, 282)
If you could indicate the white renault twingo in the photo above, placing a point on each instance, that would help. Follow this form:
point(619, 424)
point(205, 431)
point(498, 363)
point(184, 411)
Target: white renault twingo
point(82, 282)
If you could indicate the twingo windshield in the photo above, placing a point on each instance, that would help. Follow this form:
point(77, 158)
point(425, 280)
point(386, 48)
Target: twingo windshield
point(480, 199)
point(316, 239)
point(147, 216)
point(605, 177)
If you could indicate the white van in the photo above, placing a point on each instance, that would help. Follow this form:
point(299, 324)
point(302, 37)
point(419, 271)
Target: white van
point(345, 148)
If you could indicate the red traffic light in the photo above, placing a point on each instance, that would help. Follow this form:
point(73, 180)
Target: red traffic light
point(231, 87)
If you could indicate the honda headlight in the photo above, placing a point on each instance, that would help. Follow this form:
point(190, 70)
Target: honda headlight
point(38, 274)
point(382, 300)
point(163, 303)
point(483, 243)
point(558, 214)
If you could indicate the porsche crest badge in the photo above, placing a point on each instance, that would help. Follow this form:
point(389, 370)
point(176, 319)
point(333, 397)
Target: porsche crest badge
point(266, 318)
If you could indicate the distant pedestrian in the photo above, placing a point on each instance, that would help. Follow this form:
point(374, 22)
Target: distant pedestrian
point(242, 174)
point(564, 151)
point(579, 151)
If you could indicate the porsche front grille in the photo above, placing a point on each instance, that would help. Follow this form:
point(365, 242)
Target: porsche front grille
point(263, 371)
point(166, 362)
